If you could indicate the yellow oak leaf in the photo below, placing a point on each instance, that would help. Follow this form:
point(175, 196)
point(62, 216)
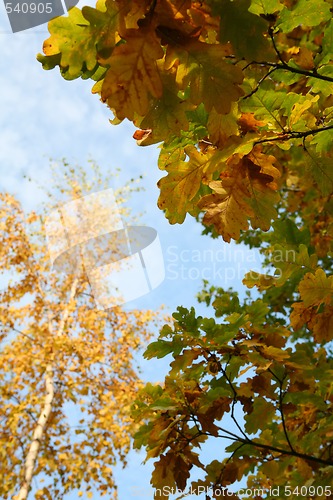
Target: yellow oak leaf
point(262, 179)
point(227, 208)
point(247, 191)
point(322, 325)
point(222, 126)
point(179, 189)
point(133, 77)
point(316, 289)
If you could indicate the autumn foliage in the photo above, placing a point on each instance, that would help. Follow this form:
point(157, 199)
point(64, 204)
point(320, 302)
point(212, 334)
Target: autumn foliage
point(67, 368)
point(239, 94)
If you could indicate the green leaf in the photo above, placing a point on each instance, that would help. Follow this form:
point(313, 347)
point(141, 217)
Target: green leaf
point(211, 79)
point(287, 231)
point(261, 416)
point(306, 13)
point(163, 404)
point(321, 86)
point(266, 105)
point(74, 40)
point(242, 28)
point(187, 319)
point(49, 62)
point(265, 7)
point(162, 348)
point(321, 170)
point(327, 44)
point(180, 188)
point(323, 142)
point(167, 115)
point(172, 152)
point(305, 398)
point(288, 261)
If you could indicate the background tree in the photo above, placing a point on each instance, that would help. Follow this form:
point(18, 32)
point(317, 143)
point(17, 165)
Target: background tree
point(67, 369)
point(240, 95)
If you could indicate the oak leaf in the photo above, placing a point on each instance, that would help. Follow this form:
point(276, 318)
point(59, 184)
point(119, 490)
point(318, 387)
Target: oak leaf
point(133, 77)
point(246, 192)
point(202, 68)
point(179, 189)
point(245, 30)
point(315, 310)
point(163, 476)
point(316, 289)
point(168, 113)
point(74, 40)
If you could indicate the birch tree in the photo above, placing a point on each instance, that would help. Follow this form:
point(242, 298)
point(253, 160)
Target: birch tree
point(67, 368)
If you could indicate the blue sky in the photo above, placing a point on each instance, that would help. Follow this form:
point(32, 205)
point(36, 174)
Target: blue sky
point(43, 116)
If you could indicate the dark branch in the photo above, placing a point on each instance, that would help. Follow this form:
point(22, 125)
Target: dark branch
point(234, 393)
point(292, 69)
point(286, 136)
point(271, 34)
point(281, 396)
point(269, 448)
point(259, 83)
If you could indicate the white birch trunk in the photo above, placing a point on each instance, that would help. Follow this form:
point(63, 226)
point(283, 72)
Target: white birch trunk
point(38, 433)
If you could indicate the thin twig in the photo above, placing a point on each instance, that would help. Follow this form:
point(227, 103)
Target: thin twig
point(259, 83)
point(271, 34)
point(281, 396)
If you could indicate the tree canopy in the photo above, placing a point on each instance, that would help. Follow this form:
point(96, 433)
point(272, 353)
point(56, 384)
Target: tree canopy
point(68, 369)
point(239, 94)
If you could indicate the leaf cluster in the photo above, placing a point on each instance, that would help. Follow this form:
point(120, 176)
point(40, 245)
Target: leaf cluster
point(234, 107)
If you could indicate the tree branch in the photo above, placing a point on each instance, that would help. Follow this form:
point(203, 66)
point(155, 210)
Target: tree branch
point(292, 69)
point(281, 396)
point(234, 437)
point(259, 83)
point(286, 136)
point(234, 392)
point(269, 448)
